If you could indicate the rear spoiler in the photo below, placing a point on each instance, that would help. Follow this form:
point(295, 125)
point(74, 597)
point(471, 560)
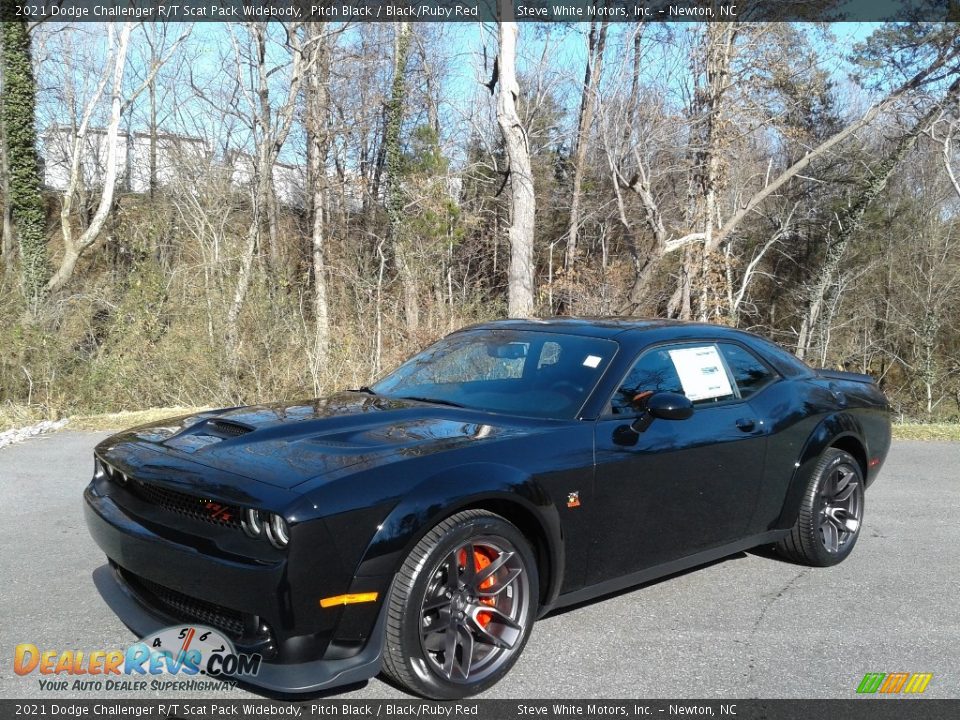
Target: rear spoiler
point(843, 375)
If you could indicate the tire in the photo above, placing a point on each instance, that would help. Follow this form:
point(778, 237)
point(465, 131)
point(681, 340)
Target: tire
point(831, 512)
point(433, 608)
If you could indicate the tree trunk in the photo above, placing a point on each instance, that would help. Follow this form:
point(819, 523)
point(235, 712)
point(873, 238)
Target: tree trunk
point(708, 273)
point(240, 292)
point(520, 276)
point(6, 239)
point(266, 150)
point(318, 143)
point(26, 218)
point(153, 137)
point(596, 41)
point(393, 160)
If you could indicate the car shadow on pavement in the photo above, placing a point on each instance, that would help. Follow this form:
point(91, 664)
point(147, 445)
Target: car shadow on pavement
point(634, 588)
point(302, 697)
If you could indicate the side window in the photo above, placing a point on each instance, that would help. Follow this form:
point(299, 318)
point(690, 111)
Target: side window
point(655, 372)
point(748, 372)
point(693, 370)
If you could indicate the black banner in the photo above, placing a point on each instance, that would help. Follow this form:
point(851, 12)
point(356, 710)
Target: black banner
point(480, 10)
point(872, 708)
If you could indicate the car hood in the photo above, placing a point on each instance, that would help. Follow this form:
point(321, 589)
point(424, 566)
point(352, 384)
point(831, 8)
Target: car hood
point(287, 444)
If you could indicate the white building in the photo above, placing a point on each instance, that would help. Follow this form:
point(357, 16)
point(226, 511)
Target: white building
point(289, 181)
point(184, 160)
point(175, 154)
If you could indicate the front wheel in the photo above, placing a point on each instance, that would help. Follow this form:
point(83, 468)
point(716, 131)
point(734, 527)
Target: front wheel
point(831, 512)
point(461, 607)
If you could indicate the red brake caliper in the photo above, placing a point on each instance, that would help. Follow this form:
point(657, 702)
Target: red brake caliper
point(481, 559)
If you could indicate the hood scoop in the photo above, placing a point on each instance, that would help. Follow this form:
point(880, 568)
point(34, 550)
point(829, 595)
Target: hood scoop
point(227, 428)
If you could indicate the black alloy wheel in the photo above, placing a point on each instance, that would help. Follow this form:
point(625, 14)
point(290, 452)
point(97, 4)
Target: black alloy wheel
point(831, 512)
point(462, 607)
point(841, 507)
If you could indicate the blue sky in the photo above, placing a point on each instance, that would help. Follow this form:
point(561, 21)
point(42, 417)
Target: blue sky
point(462, 44)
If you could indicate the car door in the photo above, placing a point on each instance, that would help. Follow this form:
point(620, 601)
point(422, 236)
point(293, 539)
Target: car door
point(680, 486)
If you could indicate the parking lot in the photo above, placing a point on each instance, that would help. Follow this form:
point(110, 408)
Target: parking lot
point(749, 626)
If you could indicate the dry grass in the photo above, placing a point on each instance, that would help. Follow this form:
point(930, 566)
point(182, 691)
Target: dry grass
point(19, 416)
point(926, 431)
point(121, 420)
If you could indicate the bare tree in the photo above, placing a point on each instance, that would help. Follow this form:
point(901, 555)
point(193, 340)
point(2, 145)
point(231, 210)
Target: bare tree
point(596, 44)
point(820, 290)
point(75, 247)
point(703, 231)
point(270, 130)
point(520, 288)
point(318, 147)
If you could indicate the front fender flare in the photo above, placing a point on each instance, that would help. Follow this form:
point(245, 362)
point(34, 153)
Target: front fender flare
point(439, 496)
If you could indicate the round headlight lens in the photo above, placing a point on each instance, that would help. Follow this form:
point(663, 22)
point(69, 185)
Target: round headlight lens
point(252, 522)
point(277, 531)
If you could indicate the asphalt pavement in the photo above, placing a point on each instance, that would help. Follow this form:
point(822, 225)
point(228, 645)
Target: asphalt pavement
point(748, 626)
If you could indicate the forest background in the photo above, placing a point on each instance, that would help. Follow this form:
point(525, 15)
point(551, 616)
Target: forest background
point(217, 214)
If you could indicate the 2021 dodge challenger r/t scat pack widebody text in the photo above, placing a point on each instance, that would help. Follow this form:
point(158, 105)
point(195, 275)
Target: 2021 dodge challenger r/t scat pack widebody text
point(418, 527)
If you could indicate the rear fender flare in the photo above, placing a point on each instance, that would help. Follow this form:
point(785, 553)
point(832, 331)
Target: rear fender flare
point(832, 428)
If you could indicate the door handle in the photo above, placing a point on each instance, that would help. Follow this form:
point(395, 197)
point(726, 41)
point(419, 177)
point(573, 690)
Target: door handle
point(746, 424)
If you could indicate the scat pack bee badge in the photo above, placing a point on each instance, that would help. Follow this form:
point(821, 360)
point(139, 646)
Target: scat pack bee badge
point(179, 651)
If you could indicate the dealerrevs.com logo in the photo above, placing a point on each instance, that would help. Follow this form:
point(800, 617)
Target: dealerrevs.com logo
point(171, 659)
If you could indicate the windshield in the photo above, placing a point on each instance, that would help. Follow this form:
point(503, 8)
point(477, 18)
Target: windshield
point(518, 372)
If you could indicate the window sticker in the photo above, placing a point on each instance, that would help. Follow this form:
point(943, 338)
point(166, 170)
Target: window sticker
point(592, 361)
point(701, 373)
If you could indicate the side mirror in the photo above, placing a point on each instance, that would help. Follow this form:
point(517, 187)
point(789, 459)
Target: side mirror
point(663, 405)
point(670, 406)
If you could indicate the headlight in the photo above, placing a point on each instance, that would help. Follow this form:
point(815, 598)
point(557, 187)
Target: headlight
point(98, 471)
point(252, 522)
point(277, 531)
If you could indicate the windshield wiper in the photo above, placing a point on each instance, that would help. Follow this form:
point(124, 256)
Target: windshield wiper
point(434, 401)
point(363, 389)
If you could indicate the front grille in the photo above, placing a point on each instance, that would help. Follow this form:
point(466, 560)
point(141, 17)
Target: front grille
point(192, 506)
point(183, 607)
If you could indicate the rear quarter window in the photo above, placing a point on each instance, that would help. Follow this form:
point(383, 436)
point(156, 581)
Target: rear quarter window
point(749, 373)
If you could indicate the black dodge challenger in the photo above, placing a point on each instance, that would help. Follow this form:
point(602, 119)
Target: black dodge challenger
point(418, 527)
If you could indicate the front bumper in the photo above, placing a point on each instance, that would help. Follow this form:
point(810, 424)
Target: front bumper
point(294, 679)
point(250, 590)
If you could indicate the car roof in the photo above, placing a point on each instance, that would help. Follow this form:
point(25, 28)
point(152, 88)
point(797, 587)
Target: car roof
point(600, 327)
point(604, 327)
point(635, 334)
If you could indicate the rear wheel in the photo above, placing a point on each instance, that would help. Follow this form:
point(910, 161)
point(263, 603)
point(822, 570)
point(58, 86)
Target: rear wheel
point(461, 607)
point(831, 512)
